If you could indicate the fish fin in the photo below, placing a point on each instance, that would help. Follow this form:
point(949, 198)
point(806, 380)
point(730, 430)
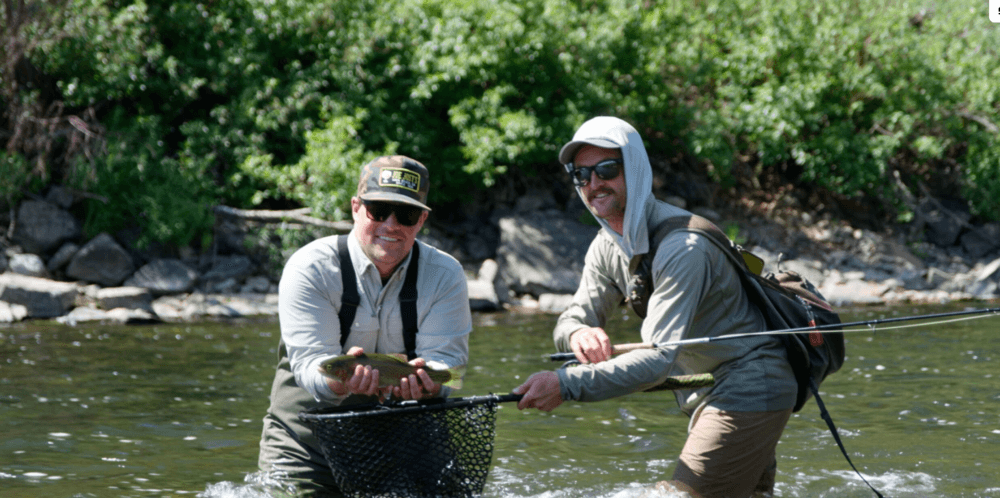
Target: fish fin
point(457, 375)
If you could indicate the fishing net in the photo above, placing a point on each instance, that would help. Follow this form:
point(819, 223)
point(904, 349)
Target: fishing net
point(437, 448)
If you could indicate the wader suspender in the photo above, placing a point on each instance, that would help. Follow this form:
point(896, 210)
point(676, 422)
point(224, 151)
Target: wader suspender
point(350, 299)
point(641, 285)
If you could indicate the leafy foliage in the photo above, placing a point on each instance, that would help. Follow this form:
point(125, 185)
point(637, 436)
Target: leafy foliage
point(136, 184)
point(258, 103)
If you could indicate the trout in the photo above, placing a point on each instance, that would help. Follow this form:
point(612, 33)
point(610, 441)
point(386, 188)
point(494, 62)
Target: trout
point(390, 369)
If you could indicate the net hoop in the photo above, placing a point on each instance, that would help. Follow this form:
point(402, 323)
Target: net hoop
point(402, 407)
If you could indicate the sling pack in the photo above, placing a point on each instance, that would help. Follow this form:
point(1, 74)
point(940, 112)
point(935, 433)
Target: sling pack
point(786, 299)
point(350, 298)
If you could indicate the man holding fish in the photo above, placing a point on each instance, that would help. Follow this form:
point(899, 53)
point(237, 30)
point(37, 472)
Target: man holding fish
point(694, 292)
point(364, 316)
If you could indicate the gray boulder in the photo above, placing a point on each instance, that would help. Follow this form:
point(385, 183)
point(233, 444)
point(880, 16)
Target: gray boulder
point(62, 257)
point(101, 261)
point(164, 276)
point(944, 221)
point(42, 298)
point(41, 227)
point(482, 290)
point(259, 284)
point(981, 241)
point(118, 315)
point(28, 264)
point(234, 268)
point(60, 196)
point(134, 298)
point(543, 252)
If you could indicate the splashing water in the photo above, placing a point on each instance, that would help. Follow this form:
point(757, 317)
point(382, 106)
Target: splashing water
point(256, 485)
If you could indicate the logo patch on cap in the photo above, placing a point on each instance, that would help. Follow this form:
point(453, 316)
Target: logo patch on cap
point(399, 178)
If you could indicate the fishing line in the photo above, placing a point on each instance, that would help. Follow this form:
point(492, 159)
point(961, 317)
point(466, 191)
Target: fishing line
point(912, 325)
point(833, 327)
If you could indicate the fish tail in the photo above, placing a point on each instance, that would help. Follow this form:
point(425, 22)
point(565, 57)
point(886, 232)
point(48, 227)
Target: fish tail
point(457, 374)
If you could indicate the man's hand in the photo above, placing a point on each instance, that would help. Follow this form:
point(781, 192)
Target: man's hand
point(418, 385)
point(541, 391)
point(591, 345)
point(364, 381)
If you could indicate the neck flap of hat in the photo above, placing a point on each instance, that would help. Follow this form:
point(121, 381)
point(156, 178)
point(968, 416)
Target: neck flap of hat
point(638, 180)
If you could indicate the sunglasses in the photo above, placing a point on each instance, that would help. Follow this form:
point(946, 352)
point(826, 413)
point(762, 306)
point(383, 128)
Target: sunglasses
point(380, 211)
point(607, 169)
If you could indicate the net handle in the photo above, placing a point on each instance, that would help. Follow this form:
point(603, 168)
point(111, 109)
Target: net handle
point(504, 398)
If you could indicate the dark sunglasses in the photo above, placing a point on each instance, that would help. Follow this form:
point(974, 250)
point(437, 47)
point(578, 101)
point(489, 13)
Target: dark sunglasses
point(380, 211)
point(607, 169)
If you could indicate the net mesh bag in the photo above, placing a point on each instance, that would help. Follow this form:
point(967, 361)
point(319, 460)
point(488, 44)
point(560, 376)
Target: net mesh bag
point(440, 448)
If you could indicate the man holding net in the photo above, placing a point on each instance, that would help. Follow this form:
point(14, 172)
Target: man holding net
point(346, 294)
point(695, 292)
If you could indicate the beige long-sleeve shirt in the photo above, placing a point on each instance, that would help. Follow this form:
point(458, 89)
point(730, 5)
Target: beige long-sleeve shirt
point(309, 300)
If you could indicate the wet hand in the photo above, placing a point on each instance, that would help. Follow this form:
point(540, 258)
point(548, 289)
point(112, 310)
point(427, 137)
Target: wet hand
point(418, 385)
point(541, 391)
point(591, 345)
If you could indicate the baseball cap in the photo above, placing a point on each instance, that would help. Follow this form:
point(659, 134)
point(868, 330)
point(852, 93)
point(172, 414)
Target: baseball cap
point(397, 179)
point(598, 132)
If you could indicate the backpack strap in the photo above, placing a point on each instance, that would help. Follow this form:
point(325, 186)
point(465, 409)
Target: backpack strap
point(408, 305)
point(836, 435)
point(641, 283)
point(349, 299)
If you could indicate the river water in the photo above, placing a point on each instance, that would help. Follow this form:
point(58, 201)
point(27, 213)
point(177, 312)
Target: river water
point(175, 410)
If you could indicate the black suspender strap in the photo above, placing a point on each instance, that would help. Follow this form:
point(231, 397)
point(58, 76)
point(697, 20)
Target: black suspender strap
point(836, 436)
point(350, 299)
point(408, 305)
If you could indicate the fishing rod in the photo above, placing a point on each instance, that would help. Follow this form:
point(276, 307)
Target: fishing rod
point(831, 327)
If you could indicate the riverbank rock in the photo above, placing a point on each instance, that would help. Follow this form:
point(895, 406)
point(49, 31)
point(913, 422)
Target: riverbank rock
point(10, 313)
point(527, 256)
point(542, 252)
point(62, 257)
point(28, 264)
point(983, 241)
point(164, 276)
point(200, 306)
point(133, 298)
point(101, 261)
point(42, 298)
point(122, 316)
point(42, 227)
point(483, 294)
point(227, 274)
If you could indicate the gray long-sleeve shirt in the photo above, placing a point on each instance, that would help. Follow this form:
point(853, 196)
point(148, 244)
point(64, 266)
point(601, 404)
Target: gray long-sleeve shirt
point(696, 293)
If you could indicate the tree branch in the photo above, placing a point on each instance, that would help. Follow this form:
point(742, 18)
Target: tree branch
point(268, 216)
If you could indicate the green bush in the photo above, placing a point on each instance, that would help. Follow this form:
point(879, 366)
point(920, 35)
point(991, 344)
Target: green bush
point(137, 185)
point(260, 103)
point(842, 94)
